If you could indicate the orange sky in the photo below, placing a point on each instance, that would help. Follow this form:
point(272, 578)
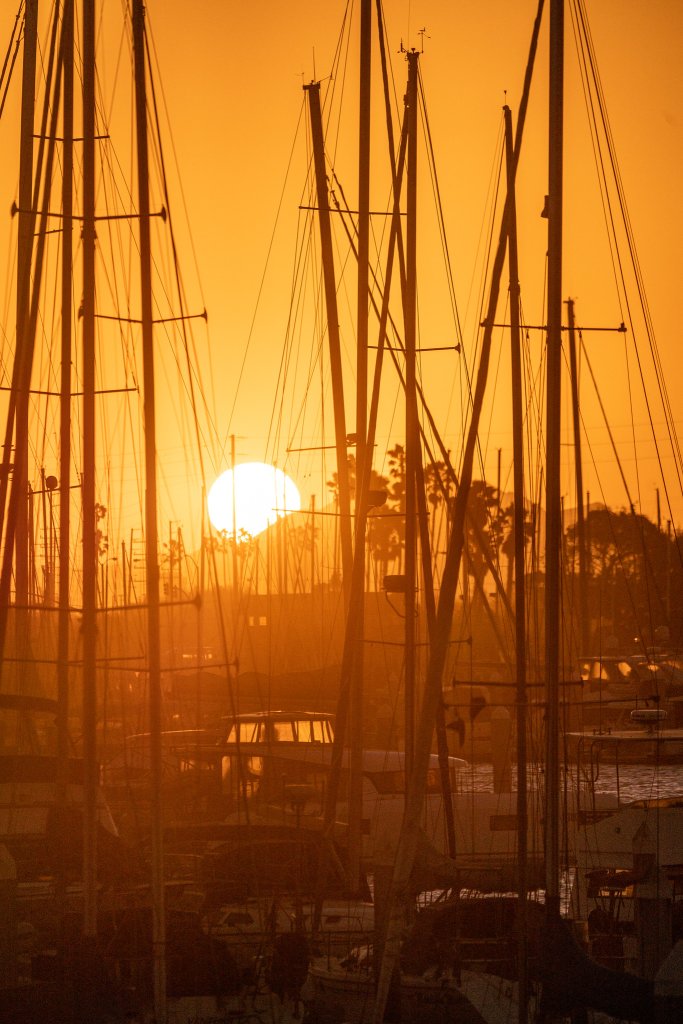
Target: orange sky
point(232, 75)
point(236, 94)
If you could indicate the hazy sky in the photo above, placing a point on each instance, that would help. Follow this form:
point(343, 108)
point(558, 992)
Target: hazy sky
point(232, 75)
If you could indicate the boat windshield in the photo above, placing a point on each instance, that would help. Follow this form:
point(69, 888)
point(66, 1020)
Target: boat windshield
point(285, 730)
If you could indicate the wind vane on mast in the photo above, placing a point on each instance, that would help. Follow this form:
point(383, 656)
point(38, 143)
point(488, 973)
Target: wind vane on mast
point(423, 35)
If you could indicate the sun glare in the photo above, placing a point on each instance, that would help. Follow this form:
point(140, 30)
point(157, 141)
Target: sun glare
point(257, 495)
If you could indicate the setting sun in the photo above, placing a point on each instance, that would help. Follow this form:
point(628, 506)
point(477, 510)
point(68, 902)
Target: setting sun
point(257, 494)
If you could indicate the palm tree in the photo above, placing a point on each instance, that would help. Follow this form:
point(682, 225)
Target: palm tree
point(507, 544)
point(482, 524)
point(333, 482)
point(384, 530)
point(439, 486)
point(385, 539)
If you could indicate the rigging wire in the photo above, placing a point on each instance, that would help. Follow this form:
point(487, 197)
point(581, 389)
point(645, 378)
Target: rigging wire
point(593, 87)
point(439, 209)
point(494, 209)
point(650, 578)
point(269, 252)
point(11, 56)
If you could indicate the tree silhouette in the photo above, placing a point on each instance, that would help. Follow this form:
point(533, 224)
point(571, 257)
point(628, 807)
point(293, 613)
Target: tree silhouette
point(385, 539)
point(384, 529)
point(439, 492)
point(333, 482)
point(483, 522)
point(507, 544)
point(634, 571)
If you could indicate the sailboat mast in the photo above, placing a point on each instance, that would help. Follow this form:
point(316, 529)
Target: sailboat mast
point(313, 90)
point(25, 249)
point(151, 525)
point(66, 69)
point(439, 642)
point(13, 514)
point(363, 453)
point(520, 609)
point(553, 509)
point(65, 382)
point(233, 461)
point(412, 437)
point(88, 480)
point(363, 234)
point(578, 470)
point(15, 519)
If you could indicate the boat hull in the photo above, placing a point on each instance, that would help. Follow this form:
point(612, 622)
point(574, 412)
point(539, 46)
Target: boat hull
point(337, 996)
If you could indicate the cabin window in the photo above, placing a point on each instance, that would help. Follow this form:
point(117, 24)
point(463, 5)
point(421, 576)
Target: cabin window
point(313, 731)
point(303, 732)
point(244, 732)
point(285, 732)
point(319, 730)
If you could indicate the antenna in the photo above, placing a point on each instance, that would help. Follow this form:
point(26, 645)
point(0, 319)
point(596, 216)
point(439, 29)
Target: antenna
point(423, 35)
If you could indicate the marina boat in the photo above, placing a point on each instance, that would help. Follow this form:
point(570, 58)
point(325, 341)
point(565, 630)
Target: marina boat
point(248, 927)
point(628, 855)
point(588, 984)
point(82, 633)
point(253, 880)
point(403, 809)
point(613, 687)
point(285, 760)
point(34, 820)
point(370, 984)
point(346, 991)
point(458, 959)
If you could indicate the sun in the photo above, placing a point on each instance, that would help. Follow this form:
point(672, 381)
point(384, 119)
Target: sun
point(257, 493)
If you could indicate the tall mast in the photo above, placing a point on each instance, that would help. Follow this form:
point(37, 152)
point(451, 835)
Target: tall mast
point(584, 638)
point(65, 382)
point(151, 526)
point(438, 648)
point(363, 453)
point(313, 90)
point(88, 480)
point(363, 233)
point(520, 610)
point(233, 459)
point(553, 509)
point(354, 632)
point(64, 548)
point(15, 519)
point(13, 514)
point(26, 217)
point(412, 437)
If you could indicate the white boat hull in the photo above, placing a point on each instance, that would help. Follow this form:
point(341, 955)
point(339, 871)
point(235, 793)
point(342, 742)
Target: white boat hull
point(335, 995)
